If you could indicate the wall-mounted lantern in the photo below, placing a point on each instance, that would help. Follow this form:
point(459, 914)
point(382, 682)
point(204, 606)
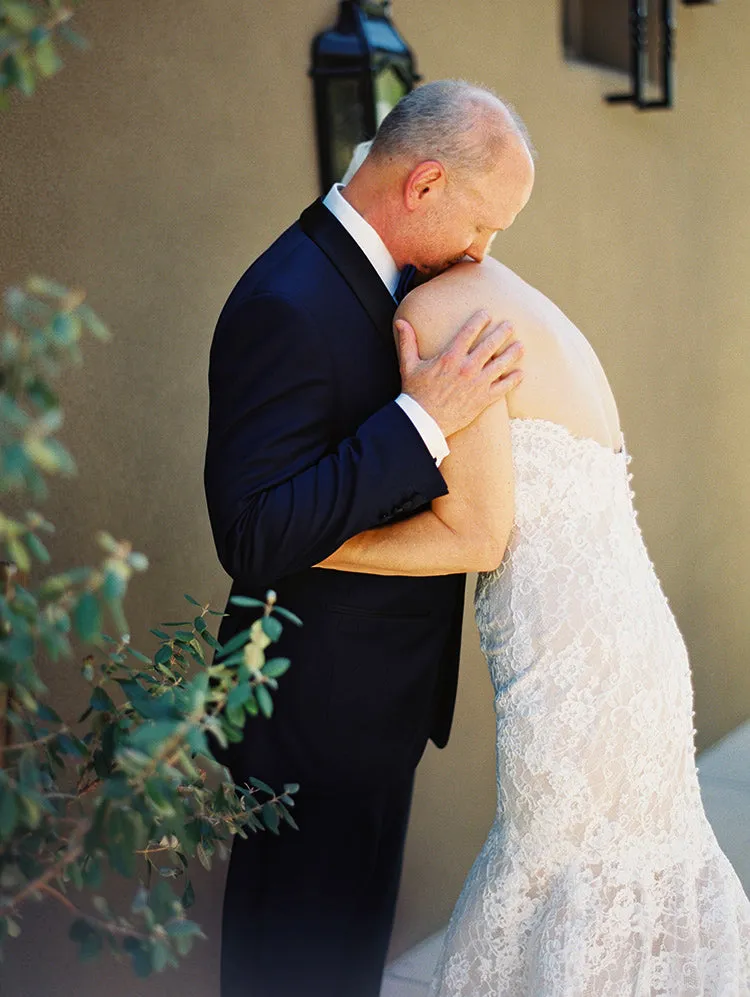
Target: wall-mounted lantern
point(360, 69)
point(639, 62)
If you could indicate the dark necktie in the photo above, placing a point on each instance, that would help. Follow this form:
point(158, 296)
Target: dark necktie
point(405, 282)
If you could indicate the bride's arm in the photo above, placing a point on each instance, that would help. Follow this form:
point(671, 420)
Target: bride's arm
point(466, 530)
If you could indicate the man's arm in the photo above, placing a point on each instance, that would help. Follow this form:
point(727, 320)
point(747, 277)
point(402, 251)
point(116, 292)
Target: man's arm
point(278, 500)
point(465, 530)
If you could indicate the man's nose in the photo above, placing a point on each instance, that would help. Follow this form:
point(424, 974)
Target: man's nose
point(480, 247)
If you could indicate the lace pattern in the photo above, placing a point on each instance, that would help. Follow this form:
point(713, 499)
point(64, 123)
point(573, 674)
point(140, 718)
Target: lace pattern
point(601, 876)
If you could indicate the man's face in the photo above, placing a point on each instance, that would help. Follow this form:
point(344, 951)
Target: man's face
point(461, 218)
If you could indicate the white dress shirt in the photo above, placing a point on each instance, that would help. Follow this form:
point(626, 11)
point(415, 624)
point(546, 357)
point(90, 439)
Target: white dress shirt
point(377, 253)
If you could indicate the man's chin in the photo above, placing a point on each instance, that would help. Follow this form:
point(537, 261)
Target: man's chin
point(428, 272)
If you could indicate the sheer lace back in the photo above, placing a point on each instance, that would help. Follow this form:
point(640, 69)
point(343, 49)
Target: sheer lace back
point(601, 876)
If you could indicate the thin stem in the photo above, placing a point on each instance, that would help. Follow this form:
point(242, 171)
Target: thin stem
point(40, 740)
point(74, 850)
point(60, 897)
point(108, 926)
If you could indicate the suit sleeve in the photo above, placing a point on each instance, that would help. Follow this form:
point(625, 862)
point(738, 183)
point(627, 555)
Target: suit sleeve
point(280, 496)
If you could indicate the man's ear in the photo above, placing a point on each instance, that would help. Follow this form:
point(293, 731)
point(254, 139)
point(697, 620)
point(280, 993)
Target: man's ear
point(424, 180)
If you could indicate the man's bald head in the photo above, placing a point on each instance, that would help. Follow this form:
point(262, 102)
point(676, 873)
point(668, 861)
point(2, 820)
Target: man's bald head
point(450, 166)
point(465, 127)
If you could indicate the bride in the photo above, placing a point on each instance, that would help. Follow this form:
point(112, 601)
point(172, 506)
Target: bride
point(600, 876)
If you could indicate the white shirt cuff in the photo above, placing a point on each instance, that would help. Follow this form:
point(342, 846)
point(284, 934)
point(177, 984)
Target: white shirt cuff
point(426, 426)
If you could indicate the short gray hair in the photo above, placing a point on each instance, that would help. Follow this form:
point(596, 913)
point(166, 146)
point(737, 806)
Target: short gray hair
point(451, 121)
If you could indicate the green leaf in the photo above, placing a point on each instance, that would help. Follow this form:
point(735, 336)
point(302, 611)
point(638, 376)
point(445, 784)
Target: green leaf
point(235, 643)
point(92, 873)
point(18, 554)
point(276, 667)
point(159, 956)
point(101, 700)
point(45, 712)
point(8, 812)
point(153, 707)
point(264, 701)
point(209, 638)
point(92, 322)
point(47, 60)
point(23, 73)
point(37, 548)
point(87, 617)
point(140, 956)
point(20, 15)
point(28, 771)
point(197, 742)
point(36, 284)
point(193, 601)
point(91, 948)
point(72, 37)
point(195, 650)
point(262, 786)
point(288, 616)
point(152, 734)
point(246, 602)
point(271, 627)
point(175, 929)
point(239, 695)
point(114, 585)
point(188, 897)
point(161, 804)
point(143, 658)
point(163, 655)
point(270, 817)
point(79, 930)
point(71, 746)
point(287, 816)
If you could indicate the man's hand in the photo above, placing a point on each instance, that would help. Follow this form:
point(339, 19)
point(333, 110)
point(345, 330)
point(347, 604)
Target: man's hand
point(477, 368)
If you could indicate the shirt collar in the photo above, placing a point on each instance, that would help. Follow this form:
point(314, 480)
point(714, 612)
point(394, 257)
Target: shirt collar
point(364, 235)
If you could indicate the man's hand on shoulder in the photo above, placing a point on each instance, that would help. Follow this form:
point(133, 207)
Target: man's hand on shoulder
point(478, 368)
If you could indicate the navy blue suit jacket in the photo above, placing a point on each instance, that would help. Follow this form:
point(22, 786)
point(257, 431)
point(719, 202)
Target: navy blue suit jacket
point(306, 448)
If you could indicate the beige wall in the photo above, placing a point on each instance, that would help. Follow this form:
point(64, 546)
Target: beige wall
point(158, 165)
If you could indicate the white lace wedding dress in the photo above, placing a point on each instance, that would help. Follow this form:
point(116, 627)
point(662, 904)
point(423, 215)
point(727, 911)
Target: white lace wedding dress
point(601, 876)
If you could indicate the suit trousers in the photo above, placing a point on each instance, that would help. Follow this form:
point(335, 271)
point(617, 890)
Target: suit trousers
point(309, 913)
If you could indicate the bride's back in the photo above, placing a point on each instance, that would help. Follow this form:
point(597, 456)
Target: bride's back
point(563, 379)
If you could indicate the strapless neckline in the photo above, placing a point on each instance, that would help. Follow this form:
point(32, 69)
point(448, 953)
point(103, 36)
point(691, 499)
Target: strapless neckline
point(563, 431)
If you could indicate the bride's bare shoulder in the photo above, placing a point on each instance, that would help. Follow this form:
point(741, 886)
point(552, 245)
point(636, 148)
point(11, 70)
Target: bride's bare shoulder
point(440, 307)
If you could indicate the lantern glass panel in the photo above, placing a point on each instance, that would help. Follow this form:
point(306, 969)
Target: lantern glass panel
point(347, 121)
point(389, 89)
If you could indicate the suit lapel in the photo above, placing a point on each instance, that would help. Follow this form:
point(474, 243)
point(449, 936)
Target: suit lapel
point(327, 232)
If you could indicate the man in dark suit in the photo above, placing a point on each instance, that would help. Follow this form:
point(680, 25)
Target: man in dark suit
point(316, 435)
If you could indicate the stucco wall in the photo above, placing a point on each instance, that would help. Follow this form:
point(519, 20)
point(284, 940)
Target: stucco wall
point(155, 167)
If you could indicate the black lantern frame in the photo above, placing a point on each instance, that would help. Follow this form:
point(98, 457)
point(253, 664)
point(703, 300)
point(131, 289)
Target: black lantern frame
point(360, 68)
point(638, 19)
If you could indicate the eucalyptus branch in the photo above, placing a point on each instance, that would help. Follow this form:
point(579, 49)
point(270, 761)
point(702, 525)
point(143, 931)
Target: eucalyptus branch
point(51, 24)
point(73, 852)
point(109, 927)
point(21, 745)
